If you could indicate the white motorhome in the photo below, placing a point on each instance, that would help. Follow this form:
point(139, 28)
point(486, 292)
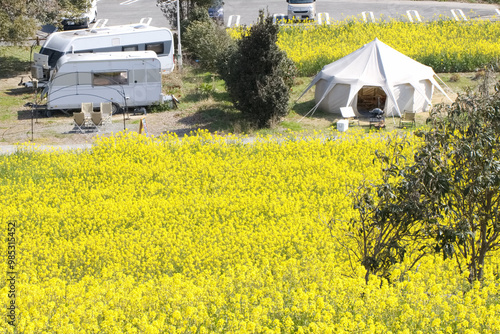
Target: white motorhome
point(127, 79)
point(82, 21)
point(301, 10)
point(124, 38)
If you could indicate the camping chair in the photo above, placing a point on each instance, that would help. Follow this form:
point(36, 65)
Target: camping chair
point(408, 118)
point(79, 121)
point(96, 119)
point(86, 108)
point(106, 112)
point(348, 114)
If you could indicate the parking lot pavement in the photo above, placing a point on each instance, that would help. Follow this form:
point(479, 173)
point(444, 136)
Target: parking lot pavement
point(131, 11)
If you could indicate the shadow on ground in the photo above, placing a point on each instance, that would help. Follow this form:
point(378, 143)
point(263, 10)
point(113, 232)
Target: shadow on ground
point(35, 113)
point(305, 109)
point(11, 67)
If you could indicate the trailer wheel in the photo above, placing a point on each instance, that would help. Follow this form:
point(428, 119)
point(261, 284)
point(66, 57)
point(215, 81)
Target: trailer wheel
point(115, 107)
point(48, 113)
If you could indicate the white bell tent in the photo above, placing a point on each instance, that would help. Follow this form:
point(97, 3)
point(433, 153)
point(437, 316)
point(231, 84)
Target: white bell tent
point(375, 76)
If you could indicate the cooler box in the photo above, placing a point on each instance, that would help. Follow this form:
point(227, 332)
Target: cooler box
point(342, 125)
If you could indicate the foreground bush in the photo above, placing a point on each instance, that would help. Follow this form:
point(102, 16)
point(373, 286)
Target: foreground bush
point(211, 235)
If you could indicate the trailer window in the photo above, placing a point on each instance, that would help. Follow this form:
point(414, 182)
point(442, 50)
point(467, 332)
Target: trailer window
point(110, 78)
point(156, 47)
point(84, 51)
point(168, 45)
point(130, 48)
point(53, 56)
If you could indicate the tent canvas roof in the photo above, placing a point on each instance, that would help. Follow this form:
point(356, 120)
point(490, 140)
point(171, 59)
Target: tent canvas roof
point(375, 64)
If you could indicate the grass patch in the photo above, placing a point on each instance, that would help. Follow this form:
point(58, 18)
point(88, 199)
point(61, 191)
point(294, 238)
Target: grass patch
point(15, 60)
point(461, 82)
point(12, 102)
point(203, 100)
point(292, 126)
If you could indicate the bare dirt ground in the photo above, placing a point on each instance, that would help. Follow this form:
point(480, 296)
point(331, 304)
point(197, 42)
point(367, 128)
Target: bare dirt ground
point(22, 124)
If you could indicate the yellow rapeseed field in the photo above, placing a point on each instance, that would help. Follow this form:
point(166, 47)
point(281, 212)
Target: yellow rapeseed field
point(445, 45)
point(210, 234)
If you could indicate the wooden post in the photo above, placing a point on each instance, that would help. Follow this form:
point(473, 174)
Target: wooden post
point(142, 126)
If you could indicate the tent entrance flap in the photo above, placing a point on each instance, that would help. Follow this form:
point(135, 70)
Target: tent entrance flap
point(371, 97)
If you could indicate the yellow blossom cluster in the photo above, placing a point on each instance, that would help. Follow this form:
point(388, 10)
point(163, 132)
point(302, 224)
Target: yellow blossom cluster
point(445, 45)
point(213, 234)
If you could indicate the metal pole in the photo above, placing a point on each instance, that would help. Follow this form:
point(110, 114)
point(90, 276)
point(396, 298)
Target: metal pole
point(179, 48)
point(32, 122)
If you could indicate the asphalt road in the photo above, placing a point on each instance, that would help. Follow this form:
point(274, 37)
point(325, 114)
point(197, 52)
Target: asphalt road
point(131, 11)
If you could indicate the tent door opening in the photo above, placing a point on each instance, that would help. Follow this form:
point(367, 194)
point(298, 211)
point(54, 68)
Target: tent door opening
point(371, 97)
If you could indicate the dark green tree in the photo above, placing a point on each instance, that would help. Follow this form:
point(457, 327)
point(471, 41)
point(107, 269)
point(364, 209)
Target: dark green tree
point(258, 75)
point(449, 195)
point(385, 230)
point(186, 7)
point(20, 19)
point(457, 175)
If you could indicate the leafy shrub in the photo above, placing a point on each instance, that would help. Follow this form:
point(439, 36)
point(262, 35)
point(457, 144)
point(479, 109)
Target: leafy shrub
point(206, 42)
point(259, 75)
point(160, 107)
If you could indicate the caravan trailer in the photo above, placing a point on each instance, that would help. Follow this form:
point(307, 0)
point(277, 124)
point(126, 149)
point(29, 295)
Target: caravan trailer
point(125, 38)
point(127, 79)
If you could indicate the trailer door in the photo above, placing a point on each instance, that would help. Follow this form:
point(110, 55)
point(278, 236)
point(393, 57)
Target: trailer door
point(147, 85)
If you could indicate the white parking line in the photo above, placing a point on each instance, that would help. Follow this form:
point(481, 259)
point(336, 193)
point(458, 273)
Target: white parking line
point(128, 2)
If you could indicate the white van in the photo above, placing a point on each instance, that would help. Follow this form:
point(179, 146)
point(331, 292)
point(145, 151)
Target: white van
point(301, 10)
point(124, 38)
point(127, 79)
point(83, 21)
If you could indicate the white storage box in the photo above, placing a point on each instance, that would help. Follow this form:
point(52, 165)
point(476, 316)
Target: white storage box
point(342, 125)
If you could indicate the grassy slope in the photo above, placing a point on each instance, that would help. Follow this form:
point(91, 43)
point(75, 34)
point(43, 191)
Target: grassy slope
point(203, 93)
point(13, 62)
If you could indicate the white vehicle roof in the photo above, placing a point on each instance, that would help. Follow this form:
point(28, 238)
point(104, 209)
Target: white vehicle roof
point(62, 40)
point(106, 56)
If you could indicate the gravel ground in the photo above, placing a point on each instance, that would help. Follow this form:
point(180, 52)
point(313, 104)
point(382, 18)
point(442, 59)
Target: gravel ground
point(60, 131)
point(21, 124)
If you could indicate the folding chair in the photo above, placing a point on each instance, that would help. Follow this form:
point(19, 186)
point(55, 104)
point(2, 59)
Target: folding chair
point(86, 108)
point(106, 109)
point(349, 115)
point(79, 121)
point(96, 119)
point(408, 118)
